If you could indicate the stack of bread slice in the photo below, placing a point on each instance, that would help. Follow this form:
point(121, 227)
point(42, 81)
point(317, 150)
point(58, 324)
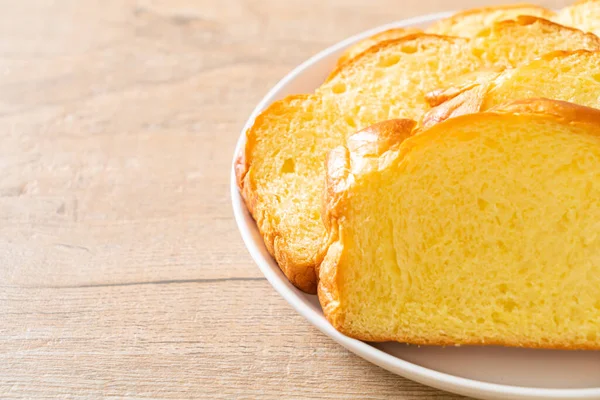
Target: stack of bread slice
point(463, 210)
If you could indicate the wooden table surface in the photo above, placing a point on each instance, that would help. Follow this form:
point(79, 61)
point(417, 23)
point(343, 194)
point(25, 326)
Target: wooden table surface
point(122, 271)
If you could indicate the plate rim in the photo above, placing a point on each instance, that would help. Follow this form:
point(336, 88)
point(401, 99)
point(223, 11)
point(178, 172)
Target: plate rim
point(395, 365)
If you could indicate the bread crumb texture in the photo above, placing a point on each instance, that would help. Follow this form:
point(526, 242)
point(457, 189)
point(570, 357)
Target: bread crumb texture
point(483, 229)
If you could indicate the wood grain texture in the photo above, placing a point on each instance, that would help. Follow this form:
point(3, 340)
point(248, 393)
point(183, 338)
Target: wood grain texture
point(123, 275)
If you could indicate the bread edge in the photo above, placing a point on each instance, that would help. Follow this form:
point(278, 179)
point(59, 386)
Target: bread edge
point(301, 275)
point(361, 153)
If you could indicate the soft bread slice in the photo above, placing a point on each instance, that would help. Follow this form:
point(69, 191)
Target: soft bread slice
point(281, 170)
point(584, 15)
point(464, 24)
point(363, 45)
point(568, 76)
point(428, 249)
point(526, 33)
point(468, 23)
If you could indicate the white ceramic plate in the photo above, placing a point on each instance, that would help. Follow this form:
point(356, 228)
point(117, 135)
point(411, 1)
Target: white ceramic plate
point(485, 372)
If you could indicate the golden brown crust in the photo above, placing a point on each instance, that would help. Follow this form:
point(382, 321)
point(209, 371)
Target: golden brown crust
point(362, 153)
point(563, 110)
point(385, 44)
point(565, 53)
point(345, 164)
point(467, 102)
point(462, 84)
point(359, 47)
point(336, 182)
point(443, 26)
point(547, 108)
point(301, 274)
point(328, 288)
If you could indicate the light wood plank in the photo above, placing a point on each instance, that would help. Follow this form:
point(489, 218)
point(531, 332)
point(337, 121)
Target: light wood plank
point(177, 341)
point(122, 272)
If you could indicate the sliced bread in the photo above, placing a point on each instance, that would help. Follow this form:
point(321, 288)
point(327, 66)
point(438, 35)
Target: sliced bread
point(463, 24)
point(427, 249)
point(583, 15)
point(282, 166)
point(569, 76)
point(469, 22)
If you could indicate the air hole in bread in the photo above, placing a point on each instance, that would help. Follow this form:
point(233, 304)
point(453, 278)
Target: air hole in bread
point(350, 121)
point(503, 288)
point(389, 60)
point(409, 49)
point(596, 77)
point(566, 68)
point(477, 52)
point(509, 305)
point(482, 204)
point(497, 318)
point(484, 32)
point(339, 88)
point(289, 166)
point(492, 144)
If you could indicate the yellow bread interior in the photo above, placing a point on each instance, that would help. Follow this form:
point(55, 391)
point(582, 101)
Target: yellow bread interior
point(569, 76)
point(483, 229)
point(280, 171)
